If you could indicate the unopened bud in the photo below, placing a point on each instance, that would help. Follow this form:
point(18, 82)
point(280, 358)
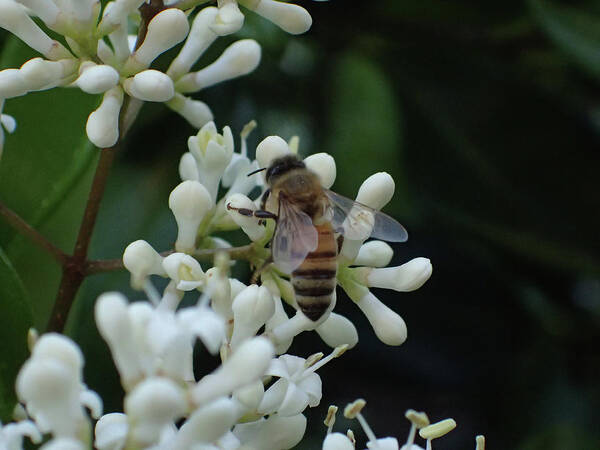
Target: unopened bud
point(240, 58)
point(323, 165)
point(189, 201)
point(102, 126)
point(291, 18)
point(95, 79)
point(150, 86)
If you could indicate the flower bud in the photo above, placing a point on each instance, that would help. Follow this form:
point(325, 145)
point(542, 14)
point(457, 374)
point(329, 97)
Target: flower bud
point(387, 324)
point(405, 278)
point(212, 152)
point(63, 443)
point(118, 12)
point(60, 348)
point(111, 431)
point(113, 322)
point(250, 395)
point(197, 113)
point(142, 261)
point(374, 254)
point(338, 330)
point(251, 309)
point(152, 405)
point(14, 18)
point(47, 11)
point(190, 202)
point(167, 29)
point(201, 36)
point(274, 433)
point(240, 58)
point(12, 84)
point(377, 190)
point(337, 441)
point(323, 165)
point(207, 424)
point(150, 86)
point(271, 148)
point(184, 270)
point(187, 167)
point(102, 126)
point(249, 224)
point(291, 18)
point(40, 74)
point(246, 365)
point(229, 19)
point(95, 79)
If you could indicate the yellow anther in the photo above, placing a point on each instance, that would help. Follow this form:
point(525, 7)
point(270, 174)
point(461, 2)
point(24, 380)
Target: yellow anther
point(438, 429)
point(330, 419)
point(419, 419)
point(353, 409)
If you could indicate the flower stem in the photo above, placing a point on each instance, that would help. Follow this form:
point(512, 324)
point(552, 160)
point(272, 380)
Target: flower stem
point(74, 269)
point(21, 226)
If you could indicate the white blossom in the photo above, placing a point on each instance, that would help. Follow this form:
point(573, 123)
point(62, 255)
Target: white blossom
point(50, 385)
point(11, 435)
point(189, 201)
point(275, 433)
point(7, 123)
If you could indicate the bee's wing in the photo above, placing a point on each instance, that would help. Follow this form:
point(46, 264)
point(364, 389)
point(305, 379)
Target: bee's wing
point(295, 237)
point(358, 222)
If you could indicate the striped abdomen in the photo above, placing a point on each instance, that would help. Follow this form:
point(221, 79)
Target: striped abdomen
point(314, 281)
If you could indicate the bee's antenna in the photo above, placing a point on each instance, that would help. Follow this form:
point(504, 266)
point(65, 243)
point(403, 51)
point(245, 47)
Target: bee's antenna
point(256, 171)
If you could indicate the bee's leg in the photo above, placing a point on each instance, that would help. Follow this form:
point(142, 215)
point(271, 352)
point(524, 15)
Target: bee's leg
point(260, 213)
point(258, 271)
point(263, 203)
point(340, 242)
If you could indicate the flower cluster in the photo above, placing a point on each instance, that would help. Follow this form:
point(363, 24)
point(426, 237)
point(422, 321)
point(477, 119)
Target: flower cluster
point(102, 57)
point(419, 421)
point(256, 398)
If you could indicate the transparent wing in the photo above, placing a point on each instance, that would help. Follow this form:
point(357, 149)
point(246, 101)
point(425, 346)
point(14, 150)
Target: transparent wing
point(295, 237)
point(358, 222)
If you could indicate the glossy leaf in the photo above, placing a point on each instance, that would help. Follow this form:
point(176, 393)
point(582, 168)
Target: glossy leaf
point(15, 320)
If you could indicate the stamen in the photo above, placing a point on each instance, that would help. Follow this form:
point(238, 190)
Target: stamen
point(480, 442)
point(313, 359)
point(350, 435)
point(338, 351)
point(418, 421)
point(244, 134)
point(353, 411)
point(151, 292)
point(330, 419)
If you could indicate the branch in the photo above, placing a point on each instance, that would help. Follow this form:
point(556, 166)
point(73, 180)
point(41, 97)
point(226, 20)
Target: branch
point(74, 270)
point(21, 226)
point(108, 265)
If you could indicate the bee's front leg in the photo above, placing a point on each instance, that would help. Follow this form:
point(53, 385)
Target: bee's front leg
point(260, 213)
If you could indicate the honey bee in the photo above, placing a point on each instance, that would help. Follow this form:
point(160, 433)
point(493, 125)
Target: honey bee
point(308, 217)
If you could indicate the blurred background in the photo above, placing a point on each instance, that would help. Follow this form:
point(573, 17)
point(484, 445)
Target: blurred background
point(488, 117)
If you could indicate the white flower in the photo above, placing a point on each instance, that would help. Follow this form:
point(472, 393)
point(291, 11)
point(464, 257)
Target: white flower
point(251, 309)
point(50, 385)
point(11, 435)
point(207, 424)
point(111, 431)
point(153, 405)
point(147, 341)
point(184, 270)
point(274, 433)
point(142, 261)
point(291, 18)
point(246, 365)
point(189, 201)
point(212, 153)
point(240, 58)
point(407, 277)
point(298, 385)
point(102, 126)
point(337, 441)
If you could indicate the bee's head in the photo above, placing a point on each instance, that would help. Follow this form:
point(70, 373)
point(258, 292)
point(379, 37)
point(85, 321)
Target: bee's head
point(282, 165)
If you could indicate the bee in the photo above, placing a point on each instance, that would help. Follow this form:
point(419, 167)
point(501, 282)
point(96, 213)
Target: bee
point(308, 217)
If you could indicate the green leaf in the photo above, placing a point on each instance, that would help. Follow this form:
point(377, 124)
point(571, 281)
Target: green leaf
point(366, 128)
point(49, 152)
point(15, 320)
point(45, 174)
point(576, 32)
